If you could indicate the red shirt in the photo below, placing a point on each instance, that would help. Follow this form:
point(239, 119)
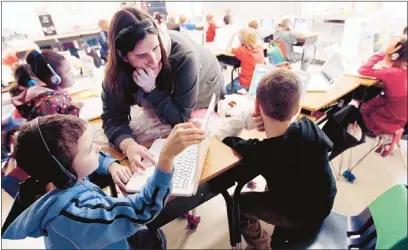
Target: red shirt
point(386, 114)
point(249, 58)
point(211, 31)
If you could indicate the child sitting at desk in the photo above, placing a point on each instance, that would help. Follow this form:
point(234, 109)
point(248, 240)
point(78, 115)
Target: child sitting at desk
point(289, 39)
point(293, 159)
point(31, 98)
point(249, 53)
point(76, 214)
point(387, 113)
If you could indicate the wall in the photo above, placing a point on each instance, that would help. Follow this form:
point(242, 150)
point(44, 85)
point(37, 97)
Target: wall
point(23, 16)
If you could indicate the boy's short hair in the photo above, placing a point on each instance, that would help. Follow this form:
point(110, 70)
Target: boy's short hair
point(60, 132)
point(278, 94)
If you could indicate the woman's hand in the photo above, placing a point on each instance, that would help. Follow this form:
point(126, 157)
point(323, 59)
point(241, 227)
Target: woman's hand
point(120, 174)
point(182, 136)
point(146, 77)
point(135, 153)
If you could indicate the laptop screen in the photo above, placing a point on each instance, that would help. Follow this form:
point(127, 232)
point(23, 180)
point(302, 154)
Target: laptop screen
point(256, 77)
point(333, 68)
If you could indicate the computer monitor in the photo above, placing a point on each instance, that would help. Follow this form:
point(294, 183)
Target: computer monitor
point(259, 72)
point(302, 24)
point(334, 67)
point(267, 23)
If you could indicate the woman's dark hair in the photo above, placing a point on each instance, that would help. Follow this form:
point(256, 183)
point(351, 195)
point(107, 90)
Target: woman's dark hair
point(38, 62)
point(128, 27)
point(227, 19)
point(61, 133)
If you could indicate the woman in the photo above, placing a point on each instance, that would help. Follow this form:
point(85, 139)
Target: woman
point(164, 72)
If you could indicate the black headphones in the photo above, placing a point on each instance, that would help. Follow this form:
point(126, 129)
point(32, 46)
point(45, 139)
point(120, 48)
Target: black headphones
point(62, 178)
point(55, 78)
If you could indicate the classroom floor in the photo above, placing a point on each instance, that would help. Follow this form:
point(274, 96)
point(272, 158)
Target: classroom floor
point(373, 176)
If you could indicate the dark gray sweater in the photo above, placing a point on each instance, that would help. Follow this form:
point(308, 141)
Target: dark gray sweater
point(196, 76)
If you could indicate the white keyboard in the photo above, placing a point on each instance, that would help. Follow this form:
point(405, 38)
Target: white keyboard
point(184, 167)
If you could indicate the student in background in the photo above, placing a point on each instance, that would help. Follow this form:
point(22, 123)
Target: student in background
point(32, 98)
point(300, 188)
point(387, 113)
point(103, 39)
point(253, 24)
point(285, 35)
point(161, 19)
point(249, 53)
point(212, 26)
point(185, 24)
point(51, 68)
point(227, 20)
point(76, 214)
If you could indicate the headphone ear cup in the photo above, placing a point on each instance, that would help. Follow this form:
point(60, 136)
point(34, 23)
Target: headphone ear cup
point(56, 79)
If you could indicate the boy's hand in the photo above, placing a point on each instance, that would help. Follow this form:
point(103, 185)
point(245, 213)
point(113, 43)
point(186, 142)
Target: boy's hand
point(120, 174)
point(182, 136)
point(258, 122)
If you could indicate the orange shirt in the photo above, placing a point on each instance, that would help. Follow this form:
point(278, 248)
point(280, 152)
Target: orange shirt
point(249, 58)
point(211, 31)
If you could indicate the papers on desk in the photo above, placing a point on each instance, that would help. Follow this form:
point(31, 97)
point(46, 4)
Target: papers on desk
point(92, 108)
point(82, 84)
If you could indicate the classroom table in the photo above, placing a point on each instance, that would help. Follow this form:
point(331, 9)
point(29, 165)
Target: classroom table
point(314, 101)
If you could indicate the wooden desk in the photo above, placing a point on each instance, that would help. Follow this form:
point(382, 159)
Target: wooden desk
point(314, 101)
point(367, 82)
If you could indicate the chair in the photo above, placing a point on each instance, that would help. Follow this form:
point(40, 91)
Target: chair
point(382, 225)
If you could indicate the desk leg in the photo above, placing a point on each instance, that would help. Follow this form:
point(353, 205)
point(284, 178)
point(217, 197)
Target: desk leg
point(229, 203)
point(232, 80)
point(236, 219)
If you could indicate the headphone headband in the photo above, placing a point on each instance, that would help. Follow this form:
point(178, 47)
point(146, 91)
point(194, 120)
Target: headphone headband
point(70, 179)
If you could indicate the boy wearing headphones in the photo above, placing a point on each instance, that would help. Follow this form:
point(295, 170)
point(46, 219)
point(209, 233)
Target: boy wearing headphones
point(78, 214)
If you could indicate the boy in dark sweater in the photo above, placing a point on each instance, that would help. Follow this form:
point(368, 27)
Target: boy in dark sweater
point(293, 159)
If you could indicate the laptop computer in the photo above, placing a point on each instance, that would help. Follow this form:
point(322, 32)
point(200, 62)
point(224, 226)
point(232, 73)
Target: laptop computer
point(261, 69)
point(332, 69)
point(188, 165)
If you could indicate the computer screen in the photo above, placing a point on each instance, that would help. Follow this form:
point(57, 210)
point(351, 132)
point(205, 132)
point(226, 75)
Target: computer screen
point(256, 77)
point(333, 67)
point(267, 23)
point(301, 24)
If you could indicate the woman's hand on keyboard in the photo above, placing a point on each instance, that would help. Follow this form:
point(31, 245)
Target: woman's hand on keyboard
point(182, 136)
